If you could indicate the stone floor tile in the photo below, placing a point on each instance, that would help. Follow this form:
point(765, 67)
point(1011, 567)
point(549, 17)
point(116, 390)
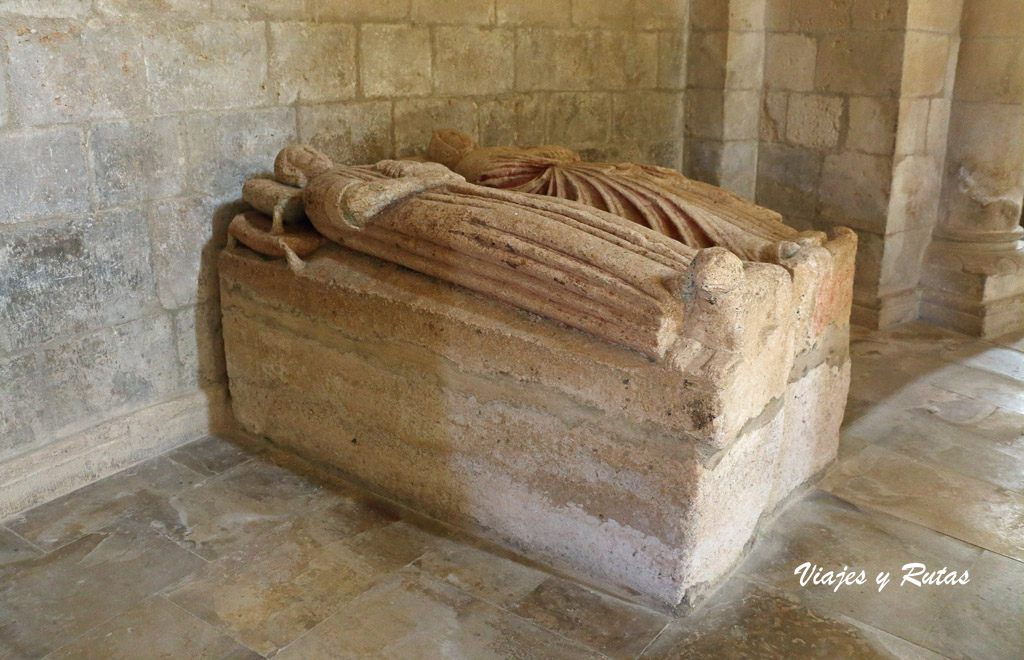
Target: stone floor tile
point(269, 603)
point(228, 512)
point(834, 534)
point(981, 385)
point(744, 621)
point(958, 433)
point(414, 616)
point(154, 629)
point(982, 355)
point(46, 601)
point(1014, 340)
point(212, 455)
point(491, 577)
point(954, 504)
point(101, 503)
point(13, 548)
point(987, 620)
point(614, 627)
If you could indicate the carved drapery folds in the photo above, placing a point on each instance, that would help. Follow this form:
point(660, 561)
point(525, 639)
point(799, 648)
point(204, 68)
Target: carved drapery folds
point(607, 249)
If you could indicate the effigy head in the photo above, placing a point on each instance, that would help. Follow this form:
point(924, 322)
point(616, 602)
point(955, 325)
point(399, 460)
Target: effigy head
point(449, 146)
point(299, 164)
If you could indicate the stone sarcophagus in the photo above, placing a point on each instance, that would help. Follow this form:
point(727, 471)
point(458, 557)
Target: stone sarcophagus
point(620, 398)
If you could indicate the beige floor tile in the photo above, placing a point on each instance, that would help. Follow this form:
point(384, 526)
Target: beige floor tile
point(269, 603)
point(212, 455)
point(834, 534)
point(13, 548)
point(744, 621)
point(982, 385)
point(987, 357)
point(413, 616)
point(100, 504)
point(154, 629)
point(488, 576)
point(987, 620)
point(615, 628)
point(228, 512)
point(47, 601)
point(951, 503)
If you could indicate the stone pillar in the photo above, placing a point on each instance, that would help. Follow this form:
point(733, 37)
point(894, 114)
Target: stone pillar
point(973, 279)
point(725, 76)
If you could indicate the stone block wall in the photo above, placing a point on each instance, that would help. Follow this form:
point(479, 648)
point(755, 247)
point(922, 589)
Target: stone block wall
point(128, 126)
point(854, 116)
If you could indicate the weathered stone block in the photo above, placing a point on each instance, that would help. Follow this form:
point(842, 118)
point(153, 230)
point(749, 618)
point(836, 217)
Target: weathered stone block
point(612, 14)
point(739, 168)
point(924, 64)
point(47, 8)
point(790, 60)
point(453, 11)
point(901, 260)
point(197, 332)
point(992, 18)
point(777, 15)
point(708, 53)
point(19, 407)
point(747, 15)
point(470, 60)
point(185, 235)
point(705, 113)
point(138, 8)
point(861, 63)
point(43, 172)
point(938, 126)
point(861, 206)
point(519, 119)
point(90, 72)
point(348, 132)
point(934, 15)
point(787, 179)
point(109, 372)
point(226, 149)
point(702, 160)
point(3, 93)
point(662, 14)
point(261, 9)
point(416, 119)
point(741, 118)
point(312, 62)
point(672, 60)
point(394, 60)
point(65, 277)
point(359, 10)
point(579, 118)
point(912, 132)
point(916, 190)
point(879, 15)
point(819, 16)
point(872, 125)
point(205, 66)
point(814, 121)
point(745, 67)
point(709, 15)
point(991, 70)
point(647, 115)
point(137, 160)
point(546, 13)
point(774, 106)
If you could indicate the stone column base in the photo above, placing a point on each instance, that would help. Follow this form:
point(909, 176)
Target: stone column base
point(973, 287)
point(886, 310)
